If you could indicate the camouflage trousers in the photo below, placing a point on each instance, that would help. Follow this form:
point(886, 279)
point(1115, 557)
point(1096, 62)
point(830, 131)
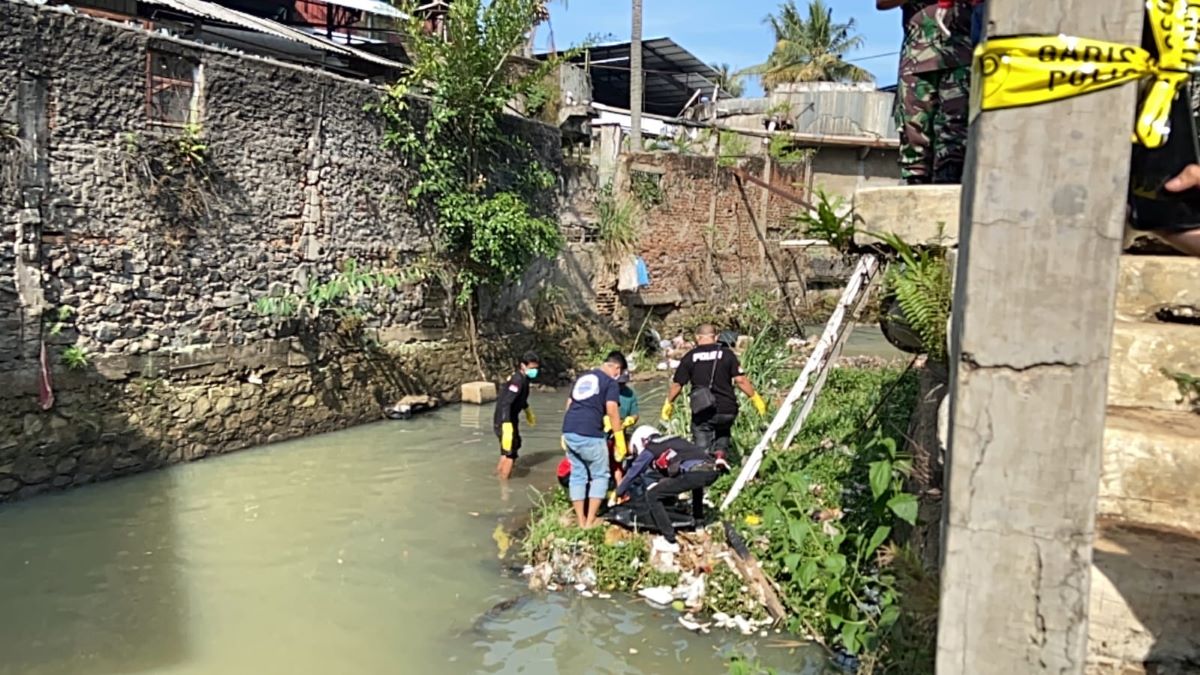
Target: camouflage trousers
point(931, 114)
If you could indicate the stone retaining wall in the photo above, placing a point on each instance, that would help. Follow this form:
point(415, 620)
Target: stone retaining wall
point(179, 363)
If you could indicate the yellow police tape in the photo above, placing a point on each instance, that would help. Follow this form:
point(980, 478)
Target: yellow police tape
point(1020, 71)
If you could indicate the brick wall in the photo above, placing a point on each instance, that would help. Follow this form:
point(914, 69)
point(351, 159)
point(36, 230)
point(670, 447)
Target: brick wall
point(700, 243)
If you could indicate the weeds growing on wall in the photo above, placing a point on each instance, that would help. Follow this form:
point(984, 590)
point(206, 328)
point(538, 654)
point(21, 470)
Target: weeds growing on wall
point(75, 357)
point(1189, 387)
point(647, 189)
point(618, 223)
point(346, 298)
point(733, 147)
point(784, 151)
point(831, 221)
point(919, 280)
point(175, 172)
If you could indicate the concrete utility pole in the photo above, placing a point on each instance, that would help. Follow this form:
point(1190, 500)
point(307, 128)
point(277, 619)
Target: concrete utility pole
point(1042, 215)
point(636, 80)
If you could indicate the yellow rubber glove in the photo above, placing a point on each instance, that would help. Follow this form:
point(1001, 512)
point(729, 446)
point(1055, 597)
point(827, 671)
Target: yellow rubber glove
point(562, 442)
point(759, 404)
point(619, 451)
point(530, 417)
point(628, 422)
point(506, 436)
point(668, 411)
point(607, 425)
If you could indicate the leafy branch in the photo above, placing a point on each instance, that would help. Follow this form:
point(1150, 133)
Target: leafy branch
point(919, 280)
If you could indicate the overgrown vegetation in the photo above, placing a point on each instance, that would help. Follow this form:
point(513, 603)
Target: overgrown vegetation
point(919, 280)
point(482, 186)
point(784, 151)
point(831, 221)
point(733, 146)
point(618, 224)
point(174, 171)
point(647, 189)
point(346, 296)
point(1189, 387)
point(75, 357)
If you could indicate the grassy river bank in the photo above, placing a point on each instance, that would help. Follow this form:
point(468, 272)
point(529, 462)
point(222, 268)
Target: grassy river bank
point(825, 518)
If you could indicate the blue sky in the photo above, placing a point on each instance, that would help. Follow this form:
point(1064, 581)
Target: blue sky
point(730, 31)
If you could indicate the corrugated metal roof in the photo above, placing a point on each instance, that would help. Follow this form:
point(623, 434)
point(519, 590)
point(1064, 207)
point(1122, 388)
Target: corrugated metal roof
point(215, 12)
point(843, 112)
point(672, 75)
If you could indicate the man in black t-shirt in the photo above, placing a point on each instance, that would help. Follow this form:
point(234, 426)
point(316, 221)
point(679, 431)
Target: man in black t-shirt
point(715, 367)
point(512, 401)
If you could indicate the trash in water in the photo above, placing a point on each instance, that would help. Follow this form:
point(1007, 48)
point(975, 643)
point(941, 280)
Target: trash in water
point(689, 622)
point(659, 595)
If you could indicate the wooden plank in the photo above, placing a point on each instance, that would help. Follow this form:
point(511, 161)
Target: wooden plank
point(867, 266)
point(766, 253)
point(1042, 213)
point(746, 565)
point(782, 192)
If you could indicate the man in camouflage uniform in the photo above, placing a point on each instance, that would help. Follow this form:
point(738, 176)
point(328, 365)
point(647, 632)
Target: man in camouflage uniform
point(934, 89)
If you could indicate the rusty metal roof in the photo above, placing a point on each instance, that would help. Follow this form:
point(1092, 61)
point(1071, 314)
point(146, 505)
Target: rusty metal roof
point(215, 12)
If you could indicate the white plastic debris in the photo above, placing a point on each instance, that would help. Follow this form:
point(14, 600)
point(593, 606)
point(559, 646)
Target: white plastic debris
point(659, 595)
point(689, 622)
point(581, 587)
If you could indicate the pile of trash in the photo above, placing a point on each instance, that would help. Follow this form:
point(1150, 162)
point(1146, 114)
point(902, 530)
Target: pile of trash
point(571, 565)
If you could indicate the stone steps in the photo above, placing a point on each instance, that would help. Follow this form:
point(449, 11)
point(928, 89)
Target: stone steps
point(1151, 468)
point(1140, 352)
point(1150, 282)
point(1144, 599)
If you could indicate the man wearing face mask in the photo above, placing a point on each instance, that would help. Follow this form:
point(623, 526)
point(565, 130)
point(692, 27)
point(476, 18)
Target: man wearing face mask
point(513, 399)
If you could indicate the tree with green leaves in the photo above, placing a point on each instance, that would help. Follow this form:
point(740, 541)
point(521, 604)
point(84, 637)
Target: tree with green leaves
point(730, 81)
point(811, 49)
point(479, 184)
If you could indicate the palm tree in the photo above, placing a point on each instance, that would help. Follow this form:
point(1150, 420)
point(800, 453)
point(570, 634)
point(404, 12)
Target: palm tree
point(733, 83)
point(810, 50)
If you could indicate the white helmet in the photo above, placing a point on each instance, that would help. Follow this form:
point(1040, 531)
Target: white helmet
point(641, 436)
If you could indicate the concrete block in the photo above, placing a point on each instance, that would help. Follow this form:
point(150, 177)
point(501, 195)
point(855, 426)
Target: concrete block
point(1150, 465)
point(1150, 282)
point(1144, 592)
point(925, 214)
point(1140, 351)
point(478, 392)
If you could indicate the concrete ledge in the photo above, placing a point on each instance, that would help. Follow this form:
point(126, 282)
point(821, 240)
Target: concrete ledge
point(1142, 607)
point(1150, 282)
point(1151, 461)
point(1140, 352)
point(926, 214)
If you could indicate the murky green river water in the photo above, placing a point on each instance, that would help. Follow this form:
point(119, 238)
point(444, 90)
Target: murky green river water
point(359, 552)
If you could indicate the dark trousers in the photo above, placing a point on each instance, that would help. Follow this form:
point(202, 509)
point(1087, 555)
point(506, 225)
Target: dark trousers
point(673, 487)
point(976, 24)
point(713, 431)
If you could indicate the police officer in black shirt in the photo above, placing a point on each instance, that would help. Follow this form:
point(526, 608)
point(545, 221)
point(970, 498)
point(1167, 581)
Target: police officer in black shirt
point(712, 370)
point(514, 399)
